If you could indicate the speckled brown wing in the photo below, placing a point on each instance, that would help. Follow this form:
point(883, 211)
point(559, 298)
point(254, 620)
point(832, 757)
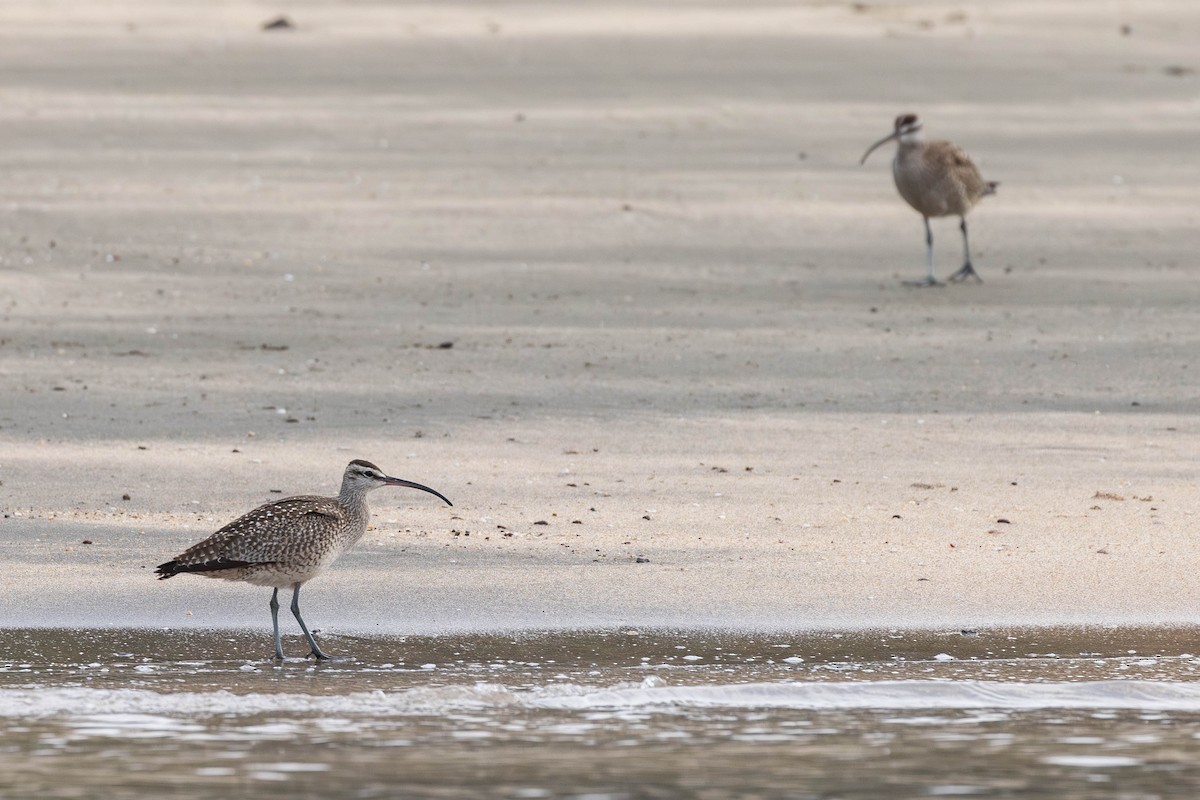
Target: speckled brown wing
point(965, 184)
point(283, 531)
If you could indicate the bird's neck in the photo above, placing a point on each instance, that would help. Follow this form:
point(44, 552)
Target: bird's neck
point(909, 152)
point(355, 501)
point(357, 518)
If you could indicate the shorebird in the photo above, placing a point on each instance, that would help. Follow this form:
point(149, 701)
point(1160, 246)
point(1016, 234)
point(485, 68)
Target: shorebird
point(938, 179)
point(289, 542)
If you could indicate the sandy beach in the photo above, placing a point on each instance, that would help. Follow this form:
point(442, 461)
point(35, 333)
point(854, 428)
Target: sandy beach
point(611, 278)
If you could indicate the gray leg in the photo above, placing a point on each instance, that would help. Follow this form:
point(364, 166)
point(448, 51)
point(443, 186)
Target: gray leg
point(275, 623)
point(929, 279)
point(967, 270)
point(316, 651)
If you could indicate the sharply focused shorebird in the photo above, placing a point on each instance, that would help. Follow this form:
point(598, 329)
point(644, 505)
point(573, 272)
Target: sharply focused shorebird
point(938, 179)
point(289, 542)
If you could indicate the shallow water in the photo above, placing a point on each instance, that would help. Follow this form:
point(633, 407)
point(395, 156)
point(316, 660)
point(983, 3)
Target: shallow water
point(614, 714)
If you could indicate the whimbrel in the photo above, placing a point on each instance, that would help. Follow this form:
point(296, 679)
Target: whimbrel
point(289, 542)
point(938, 179)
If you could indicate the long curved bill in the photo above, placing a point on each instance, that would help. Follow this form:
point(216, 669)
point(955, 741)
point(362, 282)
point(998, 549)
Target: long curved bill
point(872, 148)
point(390, 481)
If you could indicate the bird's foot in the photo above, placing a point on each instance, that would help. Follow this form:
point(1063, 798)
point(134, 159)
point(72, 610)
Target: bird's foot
point(924, 283)
point(966, 273)
point(323, 658)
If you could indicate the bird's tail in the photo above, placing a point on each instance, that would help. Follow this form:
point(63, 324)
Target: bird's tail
point(173, 568)
point(167, 570)
point(991, 188)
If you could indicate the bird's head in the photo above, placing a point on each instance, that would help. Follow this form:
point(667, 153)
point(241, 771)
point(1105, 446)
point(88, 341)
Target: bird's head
point(363, 476)
point(907, 130)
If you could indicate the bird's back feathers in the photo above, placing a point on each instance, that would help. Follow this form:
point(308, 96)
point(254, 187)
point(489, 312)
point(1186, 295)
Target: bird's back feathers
point(288, 530)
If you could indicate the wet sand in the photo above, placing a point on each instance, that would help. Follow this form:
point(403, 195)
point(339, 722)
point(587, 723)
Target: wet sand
point(616, 714)
point(685, 387)
point(63, 655)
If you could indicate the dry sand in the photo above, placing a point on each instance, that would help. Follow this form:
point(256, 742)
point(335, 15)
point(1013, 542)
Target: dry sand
point(679, 334)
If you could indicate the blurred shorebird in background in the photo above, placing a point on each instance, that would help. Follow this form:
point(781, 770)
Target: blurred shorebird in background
point(938, 179)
